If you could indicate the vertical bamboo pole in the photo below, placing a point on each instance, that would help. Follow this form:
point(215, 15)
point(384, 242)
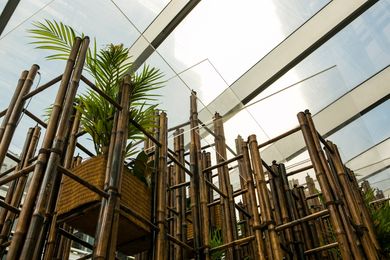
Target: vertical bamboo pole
point(307, 238)
point(366, 217)
point(195, 178)
point(11, 123)
point(21, 184)
point(181, 233)
point(51, 180)
point(50, 245)
point(225, 186)
point(161, 242)
point(338, 196)
point(154, 182)
point(12, 186)
point(171, 216)
point(318, 224)
point(297, 242)
point(320, 174)
point(264, 197)
point(276, 194)
point(246, 167)
point(12, 103)
point(351, 203)
point(106, 238)
point(244, 172)
point(203, 188)
point(25, 215)
point(282, 195)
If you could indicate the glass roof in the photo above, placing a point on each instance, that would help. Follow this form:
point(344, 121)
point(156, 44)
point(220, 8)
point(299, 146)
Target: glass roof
point(215, 44)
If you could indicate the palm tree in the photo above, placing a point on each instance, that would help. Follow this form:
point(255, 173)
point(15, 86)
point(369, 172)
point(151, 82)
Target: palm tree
point(107, 66)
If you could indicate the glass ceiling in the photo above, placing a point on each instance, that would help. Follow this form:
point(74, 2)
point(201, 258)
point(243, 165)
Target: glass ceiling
point(213, 47)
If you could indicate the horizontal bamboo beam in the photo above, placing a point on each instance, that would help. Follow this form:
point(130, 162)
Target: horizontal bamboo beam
point(151, 137)
point(85, 150)
point(312, 196)
point(175, 160)
point(216, 188)
point(321, 248)
point(100, 92)
point(35, 118)
point(299, 170)
point(178, 242)
point(74, 238)
point(12, 157)
point(213, 134)
point(2, 113)
point(379, 201)
point(202, 148)
point(233, 243)
point(223, 163)
point(246, 213)
point(9, 207)
point(85, 257)
point(179, 185)
point(42, 87)
point(17, 174)
point(7, 171)
point(179, 126)
point(82, 181)
point(325, 143)
point(5, 244)
point(235, 194)
point(273, 140)
point(302, 220)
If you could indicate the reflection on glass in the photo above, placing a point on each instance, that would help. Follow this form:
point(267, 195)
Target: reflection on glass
point(364, 132)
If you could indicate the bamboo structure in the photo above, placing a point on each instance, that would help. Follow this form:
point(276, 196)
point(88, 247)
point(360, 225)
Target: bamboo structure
point(195, 208)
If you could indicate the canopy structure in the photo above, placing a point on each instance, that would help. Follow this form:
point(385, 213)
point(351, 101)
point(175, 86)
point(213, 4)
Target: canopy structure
point(256, 64)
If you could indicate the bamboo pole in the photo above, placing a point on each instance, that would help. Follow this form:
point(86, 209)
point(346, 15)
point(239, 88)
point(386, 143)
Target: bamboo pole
point(367, 220)
point(196, 170)
point(243, 175)
point(351, 203)
point(296, 241)
point(205, 213)
point(171, 212)
point(21, 185)
point(12, 103)
point(225, 186)
point(181, 226)
point(17, 109)
point(12, 185)
point(161, 243)
point(48, 193)
point(246, 167)
point(105, 243)
point(264, 198)
point(24, 218)
point(50, 245)
point(328, 198)
point(334, 186)
point(307, 238)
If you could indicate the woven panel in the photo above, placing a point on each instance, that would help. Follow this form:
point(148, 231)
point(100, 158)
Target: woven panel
point(73, 194)
point(134, 193)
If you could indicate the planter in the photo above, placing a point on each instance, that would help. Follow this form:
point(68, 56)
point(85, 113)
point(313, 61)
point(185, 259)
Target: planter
point(80, 207)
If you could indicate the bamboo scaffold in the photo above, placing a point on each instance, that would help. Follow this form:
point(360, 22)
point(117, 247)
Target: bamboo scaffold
point(195, 209)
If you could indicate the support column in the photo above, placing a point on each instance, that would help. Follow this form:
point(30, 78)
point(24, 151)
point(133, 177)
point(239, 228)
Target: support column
point(264, 201)
point(325, 188)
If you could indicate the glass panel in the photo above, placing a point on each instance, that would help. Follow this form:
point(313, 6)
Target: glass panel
point(141, 12)
point(213, 31)
point(364, 132)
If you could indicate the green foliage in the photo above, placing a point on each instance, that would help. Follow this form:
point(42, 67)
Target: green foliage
point(107, 66)
point(380, 214)
point(216, 240)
